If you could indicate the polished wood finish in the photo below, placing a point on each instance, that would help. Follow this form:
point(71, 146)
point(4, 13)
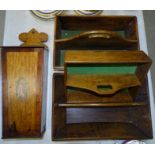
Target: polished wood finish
point(119, 31)
point(94, 123)
point(23, 98)
point(33, 38)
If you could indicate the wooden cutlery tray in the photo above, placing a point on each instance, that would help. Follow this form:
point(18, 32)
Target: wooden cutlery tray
point(95, 33)
point(107, 76)
point(103, 91)
point(99, 121)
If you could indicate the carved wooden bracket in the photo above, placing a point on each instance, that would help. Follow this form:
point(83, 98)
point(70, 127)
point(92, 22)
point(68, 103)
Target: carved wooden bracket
point(33, 38)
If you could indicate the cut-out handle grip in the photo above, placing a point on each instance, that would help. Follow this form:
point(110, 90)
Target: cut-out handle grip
point(102, 84)
point(99, 35)
point(104, 88)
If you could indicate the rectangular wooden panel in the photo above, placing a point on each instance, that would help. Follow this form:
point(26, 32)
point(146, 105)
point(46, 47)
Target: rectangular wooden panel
point(22, 76)
point(106, 57)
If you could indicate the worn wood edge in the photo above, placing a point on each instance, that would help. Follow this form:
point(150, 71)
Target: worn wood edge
point(39, 136)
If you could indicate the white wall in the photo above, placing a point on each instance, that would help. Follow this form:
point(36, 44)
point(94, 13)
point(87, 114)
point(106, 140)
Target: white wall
point(22, 21)
point(2, 19)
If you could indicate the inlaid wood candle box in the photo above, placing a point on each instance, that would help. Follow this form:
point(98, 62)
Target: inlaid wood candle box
point(24, 71)
point(103, 92)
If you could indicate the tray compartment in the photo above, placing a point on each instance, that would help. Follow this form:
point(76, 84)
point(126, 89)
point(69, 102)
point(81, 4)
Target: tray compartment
point(96, 33)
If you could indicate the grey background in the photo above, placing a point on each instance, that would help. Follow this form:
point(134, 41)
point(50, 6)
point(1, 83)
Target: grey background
point(2, 23)
point(149, 21)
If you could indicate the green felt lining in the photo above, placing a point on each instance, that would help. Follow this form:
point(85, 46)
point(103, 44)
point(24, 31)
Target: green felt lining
point(102, 69)
point(71, 33)
point(94, 69)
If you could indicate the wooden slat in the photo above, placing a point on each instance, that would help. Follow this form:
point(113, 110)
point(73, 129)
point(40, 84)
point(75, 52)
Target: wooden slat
point(102, 84)
point(87, 97)
point(100, 38)
point(102, 104)
point(96, 22)
point(106, 57)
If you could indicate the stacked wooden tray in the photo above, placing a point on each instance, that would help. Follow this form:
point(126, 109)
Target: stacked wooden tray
point(103, 92)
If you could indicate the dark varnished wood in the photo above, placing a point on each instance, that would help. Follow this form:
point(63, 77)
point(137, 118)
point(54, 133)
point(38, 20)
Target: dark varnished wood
point(23, 95)
point(111, 23)
point(100, 123)
point(58, 114)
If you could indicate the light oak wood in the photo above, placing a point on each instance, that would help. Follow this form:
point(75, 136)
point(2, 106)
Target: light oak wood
point(24, 92)
point(106, 57)
point(22, 88)
point(33, 38)
point(102, 84)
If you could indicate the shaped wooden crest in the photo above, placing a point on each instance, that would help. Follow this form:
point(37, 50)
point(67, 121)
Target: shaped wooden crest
point(33, 38)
